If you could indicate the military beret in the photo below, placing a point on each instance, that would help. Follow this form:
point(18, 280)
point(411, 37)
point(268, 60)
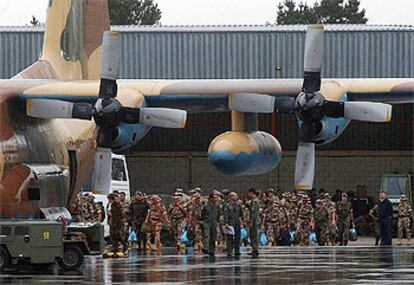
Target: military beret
point(225, 192)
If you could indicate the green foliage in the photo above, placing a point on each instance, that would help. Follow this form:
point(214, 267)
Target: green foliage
point(324, 12)
point(134, 12)
point(35, 22)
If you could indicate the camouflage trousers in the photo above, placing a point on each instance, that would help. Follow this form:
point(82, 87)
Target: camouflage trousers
point(321, 230)
point(343, 231)
point(331, 234)
point(198, 232)
point(272, 232)
point(404, 224)
point(116, 235)
point(155, 231)
point(177, 229)
point(303, 232)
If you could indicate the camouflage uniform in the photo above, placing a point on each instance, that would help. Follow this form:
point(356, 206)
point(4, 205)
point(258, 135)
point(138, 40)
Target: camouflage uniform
point(305, 216)
point(155, 216)
point(321, 224)
point(404, 215)
point(254, 225)
point(194, 209)
point(177, 213)
point(271, 222)
point(138, 211)
point(374, 215)
point(125, 215)
point(331, 231)
point(115, 225)
point(343, 211)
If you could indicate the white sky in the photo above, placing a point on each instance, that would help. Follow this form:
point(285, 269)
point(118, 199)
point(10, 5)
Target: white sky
point(216, 12)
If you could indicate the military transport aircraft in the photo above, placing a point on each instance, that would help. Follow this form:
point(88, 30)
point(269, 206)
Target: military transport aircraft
point(59, 122)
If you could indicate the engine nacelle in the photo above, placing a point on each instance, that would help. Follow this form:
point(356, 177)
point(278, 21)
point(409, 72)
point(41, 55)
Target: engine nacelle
point(240, 153)
point(330, 129)
point(128, 136)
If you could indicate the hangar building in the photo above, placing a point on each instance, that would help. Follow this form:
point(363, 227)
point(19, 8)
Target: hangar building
point(177, 158)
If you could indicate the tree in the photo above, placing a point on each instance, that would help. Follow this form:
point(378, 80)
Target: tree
point(323, 12)
point(35, 22)
point(134, 12)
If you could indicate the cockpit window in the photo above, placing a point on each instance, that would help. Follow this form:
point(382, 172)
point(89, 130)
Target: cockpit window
point(118, 170)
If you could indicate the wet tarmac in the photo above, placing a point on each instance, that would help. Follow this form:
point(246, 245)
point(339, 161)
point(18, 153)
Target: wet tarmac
point(280, 265)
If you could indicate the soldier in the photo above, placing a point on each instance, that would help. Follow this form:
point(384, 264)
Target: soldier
point(233, 217)
point(178, 213)
point(194, 220)
point(254, 222)
point(305, 221)
point(321, 222)
point(270, 222)
point(210, 215)
point(344, 218)
point(76, 211)
point(125, 213)
point(271, 197)
point(99, 212)
point(89, 208)
point(373, 213)
point(138, 211)
point(222, 240)
point(156, 215)
point(404, 215)
point(115, 222)
point(331, 232)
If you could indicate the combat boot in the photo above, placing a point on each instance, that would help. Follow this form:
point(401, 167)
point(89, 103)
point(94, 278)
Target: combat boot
point(399, 242)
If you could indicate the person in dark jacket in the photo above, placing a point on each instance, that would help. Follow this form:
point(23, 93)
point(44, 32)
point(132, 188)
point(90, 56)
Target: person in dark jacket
point(210, 214)
point(385, 212)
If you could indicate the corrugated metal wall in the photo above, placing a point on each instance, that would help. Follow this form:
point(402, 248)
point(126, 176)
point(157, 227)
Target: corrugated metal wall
point(249, 52)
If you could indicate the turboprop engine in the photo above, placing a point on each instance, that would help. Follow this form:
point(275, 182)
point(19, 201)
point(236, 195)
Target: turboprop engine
point(241, 153)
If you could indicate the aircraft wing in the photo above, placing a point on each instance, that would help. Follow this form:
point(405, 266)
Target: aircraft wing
point(209, 95)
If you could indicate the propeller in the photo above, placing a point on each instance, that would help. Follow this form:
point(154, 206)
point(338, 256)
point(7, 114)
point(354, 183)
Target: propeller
point(311, 107)
point(107, 112)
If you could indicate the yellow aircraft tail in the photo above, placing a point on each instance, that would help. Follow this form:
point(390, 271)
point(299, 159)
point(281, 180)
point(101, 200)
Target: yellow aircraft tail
point(72, 42)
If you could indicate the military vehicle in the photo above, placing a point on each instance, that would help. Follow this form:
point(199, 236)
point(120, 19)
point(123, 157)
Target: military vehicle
point(40, 242)
point(396, 184)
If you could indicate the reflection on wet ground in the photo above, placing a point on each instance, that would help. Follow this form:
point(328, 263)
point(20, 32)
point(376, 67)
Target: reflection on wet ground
point(283, 265)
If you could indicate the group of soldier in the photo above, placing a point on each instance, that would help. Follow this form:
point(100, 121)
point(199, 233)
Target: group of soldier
point(219, 219)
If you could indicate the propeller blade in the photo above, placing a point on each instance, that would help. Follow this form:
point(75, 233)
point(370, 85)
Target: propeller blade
point(56, 109)
point(260, 103)
point(313, 58)
point(305, 166)
point(163, 117)
point(102, 171)
point(109, 64)
point(368, 111)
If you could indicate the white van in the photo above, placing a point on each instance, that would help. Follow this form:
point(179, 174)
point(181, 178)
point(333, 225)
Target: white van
point(119, 182)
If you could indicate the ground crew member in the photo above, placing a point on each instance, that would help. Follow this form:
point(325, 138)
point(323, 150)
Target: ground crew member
point(373, 213)
point(156, 215)
point(385, 213)
point(321, 222)
point(344, 218)
point(254, 207)
point(210, 215)
point(115, 223)
point(404, 215)
point(233, 217)
point(138, 211)
point(177, 213)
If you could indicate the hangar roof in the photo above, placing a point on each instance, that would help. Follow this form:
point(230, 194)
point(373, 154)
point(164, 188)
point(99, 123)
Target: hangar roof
point(234, 28)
